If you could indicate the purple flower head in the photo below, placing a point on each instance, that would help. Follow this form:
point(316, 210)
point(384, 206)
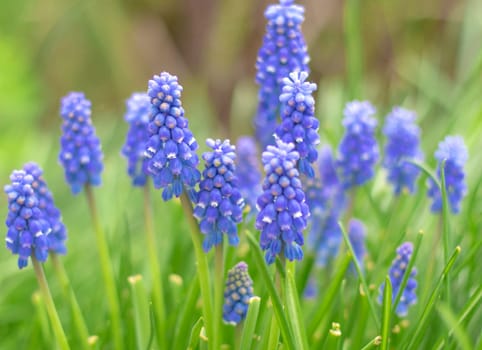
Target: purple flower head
point(356, 234)
point(282, 209)
point(137, 115)
point(80, 148)
point(358, 150)
point(247, 171)
point(171, 147)
point(219, 205)
point(453, 150)
point(403, 142)
point(58, 234)
point(326, 199)
point(27, 227)
point(238, 292)
point(283, 51)
point(298, 123)
point(399, 266)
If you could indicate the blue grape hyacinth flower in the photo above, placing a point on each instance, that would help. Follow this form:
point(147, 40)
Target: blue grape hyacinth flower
point(247, 171)
point(238, 292)
point(397, 270)
point(219, 204)
point(57, 234)
point(453, 150)
point(403, 142)
point(26, 224)
point(298, 123)
point(282, 209)
point(170, 150)
point(80, 148)
point(356, 235)
point(137, 115)
point(326, 199)
point(358, 150)
point(283, 51)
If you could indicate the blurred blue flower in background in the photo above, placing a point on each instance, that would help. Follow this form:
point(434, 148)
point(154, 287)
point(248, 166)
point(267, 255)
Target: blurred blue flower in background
point(453, 150)
point(137, 115)
point(356, 235)
point(171, 147)
point(239, 289)
point(80, 148)
point(58, 234)
point(283, 51)
point(397, 270)
point(403, 142)
point(219, 204)
point(282, 209)
point(358, 150)
point(298, 123)
point(248, 171)
point(26, 224)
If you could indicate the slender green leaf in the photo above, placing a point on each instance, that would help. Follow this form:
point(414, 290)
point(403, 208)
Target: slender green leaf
point(451, 321)
point(185, 314)
point(293, 308)
point(141, 310)
point(386, 314)
point(195, 334)
point(250, 323)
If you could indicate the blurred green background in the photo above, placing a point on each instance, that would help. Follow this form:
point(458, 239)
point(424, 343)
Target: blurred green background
point(423, 55)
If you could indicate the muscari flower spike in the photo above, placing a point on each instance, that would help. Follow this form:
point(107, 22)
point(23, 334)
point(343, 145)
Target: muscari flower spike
point(326, 199)
point(137, 115)
point(171, 147)
point(80, 151)
point(282, 209)
point(399, 266)
point(283, 51)
point(57, 235)
point(453, 150)
point(238, 292)
point(358, 150)
point(219, 204)
point(247, 171)
point(403, 142)
point(27, 227)
point(298, 123)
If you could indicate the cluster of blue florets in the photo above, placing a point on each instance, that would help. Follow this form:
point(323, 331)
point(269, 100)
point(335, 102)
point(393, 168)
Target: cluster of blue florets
point(137, 115)
point(80, 153)
point(238, 292)
point(298, 122)
point(172, 160)
point(403, 144)
point(219, 204)
point(282, 209)
point(283, 51)
point(399, 266)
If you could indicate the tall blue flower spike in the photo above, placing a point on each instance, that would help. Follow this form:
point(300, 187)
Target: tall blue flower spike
point(326, 199)
point(453, 150)
point(80, 148)
point(403, 142)
point(27, 227)
point(239, 289)
point(356, 235)
point(219, 205)
point(171, 147)
point(282, 209)
point(283, 51)
point(58, 234)
point(399, 266)
point(247, 171)
point(137, 115)
point(358, 150)
point(298, 123)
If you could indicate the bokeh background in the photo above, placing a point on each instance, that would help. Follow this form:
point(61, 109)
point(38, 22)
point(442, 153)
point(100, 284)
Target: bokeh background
point(425, 55)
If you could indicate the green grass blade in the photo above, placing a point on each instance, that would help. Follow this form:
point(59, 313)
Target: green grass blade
point(195, 334)
point(451, 321)
point(373, 310)
point(374, 343)
point(293, 308)
point(185, 315)
point(421, 323)
point(386, 314)
point(275, 299)
point(250, 323)
point(141, 310)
